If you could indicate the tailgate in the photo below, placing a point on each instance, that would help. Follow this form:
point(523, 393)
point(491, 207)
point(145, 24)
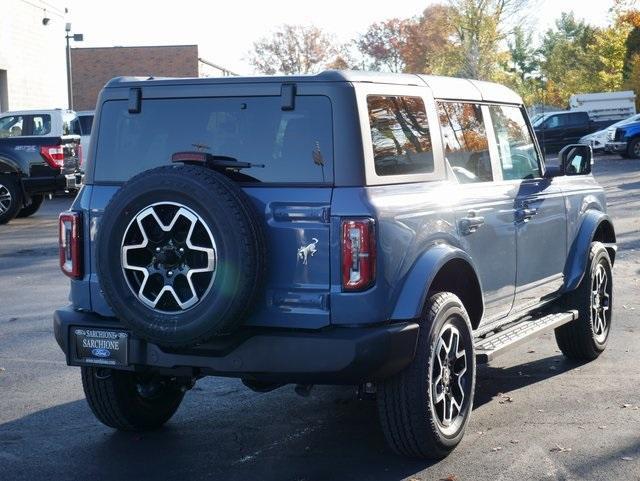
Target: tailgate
point(298, 257)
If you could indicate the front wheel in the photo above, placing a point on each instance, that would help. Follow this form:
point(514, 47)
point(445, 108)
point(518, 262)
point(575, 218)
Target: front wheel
point(585, 338)
point(130, 401)
point(633, 150)
point(425, 408)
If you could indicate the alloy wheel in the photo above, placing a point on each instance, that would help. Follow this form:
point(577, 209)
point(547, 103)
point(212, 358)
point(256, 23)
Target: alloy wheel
point(5, 199)
point(450, 379)
point(169, 257)
point(600, 303)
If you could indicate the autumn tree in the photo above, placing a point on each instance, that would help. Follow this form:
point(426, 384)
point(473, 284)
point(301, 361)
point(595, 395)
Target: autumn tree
point(480, 27)
point(429, 42)
point(607, 54)
point(416, 45)
point(385, 43)
point(293, 49)
point(566, 59)
point(524, 56)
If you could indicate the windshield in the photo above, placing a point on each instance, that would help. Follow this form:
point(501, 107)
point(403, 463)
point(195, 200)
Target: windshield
point(294, 145)
point(539, 119)
point(633, 118)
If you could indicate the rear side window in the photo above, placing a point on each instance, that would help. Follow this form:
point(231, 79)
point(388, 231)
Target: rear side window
point(293, 146)
point(518, 155)
point(25, 125)
point(578, 119)
point(399, 135)
point(86, 122)
point(465, 141)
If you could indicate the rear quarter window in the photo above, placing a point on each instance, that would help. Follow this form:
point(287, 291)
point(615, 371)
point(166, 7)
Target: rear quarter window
point(25, 125)
point(294, 146)
point(399, 135)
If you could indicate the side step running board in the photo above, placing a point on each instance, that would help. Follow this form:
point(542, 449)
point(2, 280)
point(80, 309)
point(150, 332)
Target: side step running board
point(495, 344)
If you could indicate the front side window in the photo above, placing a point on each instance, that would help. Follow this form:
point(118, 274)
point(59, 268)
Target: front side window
point(556, 121)
point(400, 135)
point(465, 141)
point(518, 155)
point(284, 146)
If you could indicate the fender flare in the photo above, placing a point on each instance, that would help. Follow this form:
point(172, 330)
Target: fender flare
point(8, 165)
point(579, 251)
point(415, 288)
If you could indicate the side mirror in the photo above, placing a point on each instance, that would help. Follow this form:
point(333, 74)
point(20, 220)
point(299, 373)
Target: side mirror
point(576, 159)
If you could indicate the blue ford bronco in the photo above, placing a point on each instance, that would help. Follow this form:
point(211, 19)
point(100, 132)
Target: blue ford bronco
point(389, 231)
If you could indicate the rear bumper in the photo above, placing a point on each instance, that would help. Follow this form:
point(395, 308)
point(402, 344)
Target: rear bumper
point(54, 183)
point(338, 355)
point(74, 181)
point(43, 185)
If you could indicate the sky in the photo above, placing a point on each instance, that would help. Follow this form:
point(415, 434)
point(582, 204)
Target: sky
point(225, 30)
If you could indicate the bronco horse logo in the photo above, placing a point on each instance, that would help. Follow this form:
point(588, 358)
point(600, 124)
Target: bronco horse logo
point(305, 251)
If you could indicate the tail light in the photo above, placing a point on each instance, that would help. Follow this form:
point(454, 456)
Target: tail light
point(358, 254)
point(53, 155)
point(70, 242)
point(80, 156)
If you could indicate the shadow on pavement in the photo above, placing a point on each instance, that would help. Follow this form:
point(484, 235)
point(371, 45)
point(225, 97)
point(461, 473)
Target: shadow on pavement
point(222, 433)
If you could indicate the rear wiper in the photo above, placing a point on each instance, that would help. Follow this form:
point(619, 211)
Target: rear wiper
point(212, 160)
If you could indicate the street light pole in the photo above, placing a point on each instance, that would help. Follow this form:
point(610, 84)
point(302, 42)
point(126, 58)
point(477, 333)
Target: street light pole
point(78, 37)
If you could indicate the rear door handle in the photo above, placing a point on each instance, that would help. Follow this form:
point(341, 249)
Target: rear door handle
point(471, 223)
point(526, 213)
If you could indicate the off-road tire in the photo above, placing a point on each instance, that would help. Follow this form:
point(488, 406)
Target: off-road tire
point(9, 184)
point(114, 398)
point(239, 240)
point(406, 412)
point(577, 339)
point(36, 203)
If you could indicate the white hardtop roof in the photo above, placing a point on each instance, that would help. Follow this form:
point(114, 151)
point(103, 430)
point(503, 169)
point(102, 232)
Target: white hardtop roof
point(465, 89)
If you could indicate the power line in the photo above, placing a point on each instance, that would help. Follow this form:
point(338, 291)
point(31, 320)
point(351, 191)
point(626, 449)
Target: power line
point(46, 7)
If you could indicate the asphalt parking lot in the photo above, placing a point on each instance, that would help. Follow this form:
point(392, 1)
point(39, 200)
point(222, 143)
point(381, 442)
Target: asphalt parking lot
point(536, 415)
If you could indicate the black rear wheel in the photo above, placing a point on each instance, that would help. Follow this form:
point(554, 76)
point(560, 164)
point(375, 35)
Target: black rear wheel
point(36, 203)
point(425, 408)
point(130, 401)
point(10, 198)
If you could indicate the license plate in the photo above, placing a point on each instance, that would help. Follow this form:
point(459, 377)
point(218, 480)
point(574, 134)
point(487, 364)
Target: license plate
point(99, 346)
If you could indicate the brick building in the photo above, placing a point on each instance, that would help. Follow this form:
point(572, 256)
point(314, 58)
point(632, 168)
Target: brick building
point(93, 67)
point(32, 55)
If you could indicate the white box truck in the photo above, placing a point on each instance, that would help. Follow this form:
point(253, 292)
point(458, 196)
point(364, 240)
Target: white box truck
point(603, 106)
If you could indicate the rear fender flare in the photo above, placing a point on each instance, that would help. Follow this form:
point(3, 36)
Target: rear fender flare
point(413, 295)
point(579, 251)
point(8, 165)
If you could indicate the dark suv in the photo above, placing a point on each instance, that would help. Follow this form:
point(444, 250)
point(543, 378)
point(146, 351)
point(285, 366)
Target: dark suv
point(382, 230)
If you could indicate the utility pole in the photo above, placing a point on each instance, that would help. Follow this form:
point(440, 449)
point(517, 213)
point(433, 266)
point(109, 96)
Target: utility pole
point(77, 37)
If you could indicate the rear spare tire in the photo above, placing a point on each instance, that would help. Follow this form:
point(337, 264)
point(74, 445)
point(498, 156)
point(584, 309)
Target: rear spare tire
point(180, 255)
